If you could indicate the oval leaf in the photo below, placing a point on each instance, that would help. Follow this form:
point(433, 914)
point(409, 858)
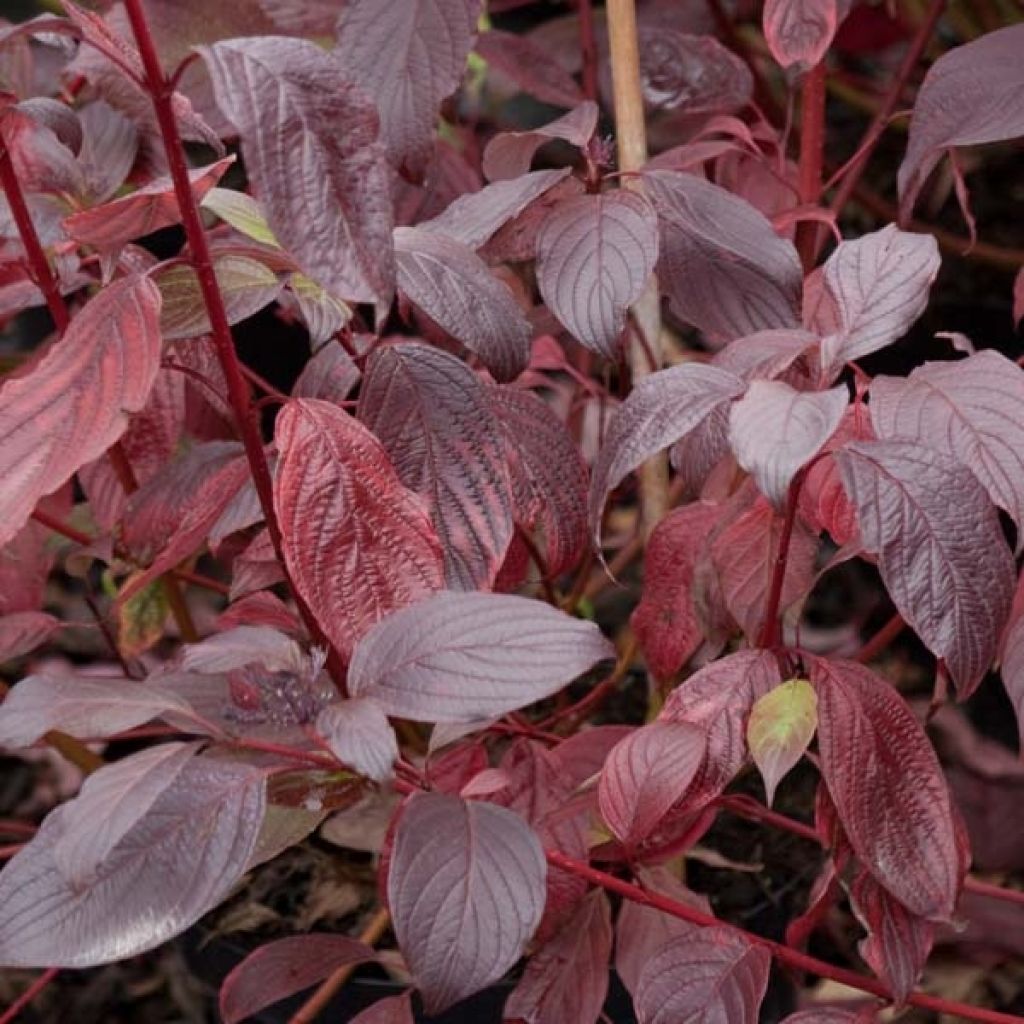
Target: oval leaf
point(358, 733)
point(799, 31)
point(780, 728)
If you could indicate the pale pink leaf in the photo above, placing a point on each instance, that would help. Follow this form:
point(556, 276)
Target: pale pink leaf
point(566, 980)
point(309, 139)
point(765, 354)
point(645, 775)
point(887, 787)
point(976, 405)
point(22, 632)
point(595, 254)
point(110, 142)
point(940, 548)
point(462, 657)
point(358, 733)
point(330, 374)
point(510, 154)
point(776, 430)
point(281, 968)
point(879, 284)
point(182, 857)
point(408, 57)
point(456, 868)
point(799, 31)
point(712, 976)
point(241, 646)
point(432, 415)
point(531, 66)
point(722, 265)
point(357, 543)
point(972, 94)
point(660, 410)
point(76, 401)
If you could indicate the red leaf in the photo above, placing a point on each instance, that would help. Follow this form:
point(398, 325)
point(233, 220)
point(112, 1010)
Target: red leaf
point(595, 255)
point(970, 95)
point(940, 548)
point(454, 287)
point(707, 976)
point(566, 980)
point(531, 66)
point(977, 406)
point(309, 139)
point(725, 269)
point(330, 374)
point(887, 787)
point(456, 868)
point(408, 57)
point(799, 31)
point(76, 402)
point(358, 733)
point(281, 968)
point(22, 632)
point(463, 657)
point(110, 143)
point(356, 542)
point(645, 775)
point(433, 417)
point(392, 1010)
point(880, 287)
point(509, 154)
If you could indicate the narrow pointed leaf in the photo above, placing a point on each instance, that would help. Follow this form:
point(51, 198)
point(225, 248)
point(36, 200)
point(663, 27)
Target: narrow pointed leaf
point(780, 728)
point(358, 733)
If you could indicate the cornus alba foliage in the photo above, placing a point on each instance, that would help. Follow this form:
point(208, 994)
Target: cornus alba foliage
point(451, 439)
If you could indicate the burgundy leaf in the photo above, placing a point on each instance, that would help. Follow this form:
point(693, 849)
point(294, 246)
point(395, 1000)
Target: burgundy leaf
point(775, 431)
point(548, 475)
point(462, 657)
point(408, 57)
point(660, 410)
point(977, 406)
point(516, 240)
point(456, 868)
point(22, 632)
point(454, 287)
point(358, 733)
point(665, 622)
point(595, 254)
point(722, 265)
point(260, 609)
point(566, 980)
point(510, 154)
point(711, 976)
point(76, 401)
point(764, 355)
point(645, 774)
point(1011, 656)
point(940, 548)
point(110, 143)
point(330, 374)
point(475, 217)
point(799, 31)
point(392, 1010)
point(179, 859)
point(880, 287)
point(531, 66)
point(302, 121)
point(971, 95)
point(432, 415)
point(887, 787)
point(281, 968)
point(356, 542)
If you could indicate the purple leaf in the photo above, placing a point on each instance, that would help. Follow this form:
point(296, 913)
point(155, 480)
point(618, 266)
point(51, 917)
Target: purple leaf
point(645, 775)
point(110, 143)
point(706, 977)
point(531, 66)
point(775, 431)
point(408, 57)
point(887, 787)
point(309, 139)
point(475, 217)
point(456, 869)
point(241, 646)
point(724, 268)
point(281, 968)
point(76, 400)
point(977, 406)
point(940, 548)
point(510, 154)
point(392, 1010)
point(971, 95)
point(595, 254)
point(22, 632)
point(330, 374)
point(799, 31)
point(566, 980)
point(358, 733)
point(454, 287)
point(179, 859)
point(357, 543)
point(461, 657)
point(661, 410)
point(548, 475)
point(880, 287)
point(432, 415)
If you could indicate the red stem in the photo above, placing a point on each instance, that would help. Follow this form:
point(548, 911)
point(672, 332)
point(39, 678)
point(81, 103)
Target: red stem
point(238, 390)
point(29, 994)
point(881, 640)
point(783, 954)
point(812, 157)
point(771, 630)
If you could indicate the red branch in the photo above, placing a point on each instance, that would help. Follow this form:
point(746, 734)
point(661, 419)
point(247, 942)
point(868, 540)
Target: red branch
point(812, 157)
point(239, 395)
point(29, 994)
point(770, 627)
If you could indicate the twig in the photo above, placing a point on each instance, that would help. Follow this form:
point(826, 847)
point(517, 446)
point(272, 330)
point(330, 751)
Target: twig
point(770, 627)
point(29, 994)
point(812, 155)
point(881, 640)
